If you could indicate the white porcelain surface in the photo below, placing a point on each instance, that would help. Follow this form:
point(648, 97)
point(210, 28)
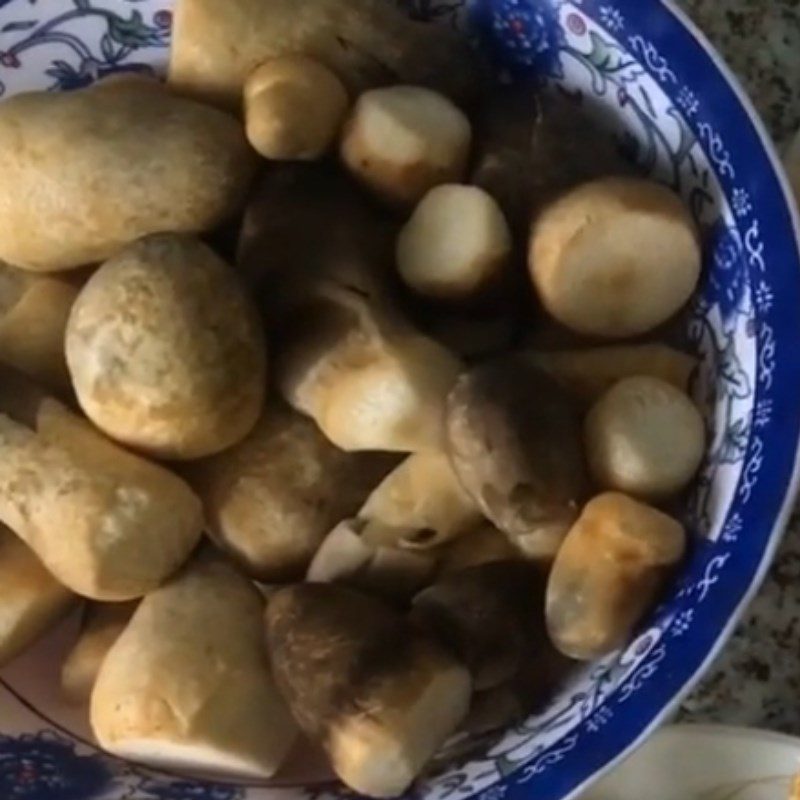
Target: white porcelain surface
point(688, 762)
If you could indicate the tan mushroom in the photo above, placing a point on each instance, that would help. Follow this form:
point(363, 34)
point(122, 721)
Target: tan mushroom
point(402, 141)
point(166, 351)
point(187, 685)
point(107, 524)
point(272, 499)
point(31, 599)
point(367, 43)
point(101, 626)
point(417, 694)
point(294, 108)
point(89, 181)
point(608, 573)
point(615, 257)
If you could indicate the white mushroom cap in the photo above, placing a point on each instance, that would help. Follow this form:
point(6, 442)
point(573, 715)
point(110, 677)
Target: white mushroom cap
point(644, 437)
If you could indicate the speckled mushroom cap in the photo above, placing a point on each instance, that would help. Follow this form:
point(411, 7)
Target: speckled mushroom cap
point(165, 350)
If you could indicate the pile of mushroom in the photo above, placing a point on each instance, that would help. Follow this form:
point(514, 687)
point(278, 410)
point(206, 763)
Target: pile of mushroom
point(335, 468)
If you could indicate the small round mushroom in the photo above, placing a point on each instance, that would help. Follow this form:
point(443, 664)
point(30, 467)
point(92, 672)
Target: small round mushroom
point(514, 440)
point(645, 438)
point(608, 572)
point(294, 108)
point(165, 350)
point(401, 141)
point(456, 245)
point(615, 257)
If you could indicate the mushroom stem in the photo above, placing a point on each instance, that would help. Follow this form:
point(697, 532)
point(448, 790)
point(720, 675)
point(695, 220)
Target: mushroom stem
point(107, 524)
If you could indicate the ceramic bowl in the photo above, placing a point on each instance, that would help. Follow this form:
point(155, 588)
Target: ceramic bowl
point(648, 74)
point(716, 763)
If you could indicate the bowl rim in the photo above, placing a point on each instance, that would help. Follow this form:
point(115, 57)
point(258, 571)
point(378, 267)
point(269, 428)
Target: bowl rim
point(787, 503)
point(681, 738)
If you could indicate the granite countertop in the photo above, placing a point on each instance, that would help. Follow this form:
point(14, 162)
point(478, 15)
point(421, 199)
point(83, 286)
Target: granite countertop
point(756, 682)
point(761, 41)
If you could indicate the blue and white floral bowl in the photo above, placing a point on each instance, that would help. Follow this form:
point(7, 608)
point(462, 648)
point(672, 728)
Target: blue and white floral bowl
point(651, 76)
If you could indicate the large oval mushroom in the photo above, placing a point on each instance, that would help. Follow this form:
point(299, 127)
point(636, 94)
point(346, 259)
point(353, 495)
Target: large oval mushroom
point(89, 180)
point(514, 440)
point(166, 351)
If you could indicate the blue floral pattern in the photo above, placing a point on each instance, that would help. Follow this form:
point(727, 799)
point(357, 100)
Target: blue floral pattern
point(45, 766)
point(531, 36)
point(159, 789)
point(636, 68)
point(86, 40)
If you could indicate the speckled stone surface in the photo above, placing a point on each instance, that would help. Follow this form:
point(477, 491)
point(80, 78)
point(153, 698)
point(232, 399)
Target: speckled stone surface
point(756, 682)
point(761, 41)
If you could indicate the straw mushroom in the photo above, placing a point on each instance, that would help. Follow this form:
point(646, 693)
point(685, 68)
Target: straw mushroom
point(608, 573)
point(615, 257)
point(102, 624)
point(272, 499)
point(370, 381)
point(166, 351)
point(187, 684)
point(514, 441)
point(294, 108)
point(106, 523)
point(644, 438)
point(89, 181)
point(336, 653)
point(31, 599)
point(402, 141)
